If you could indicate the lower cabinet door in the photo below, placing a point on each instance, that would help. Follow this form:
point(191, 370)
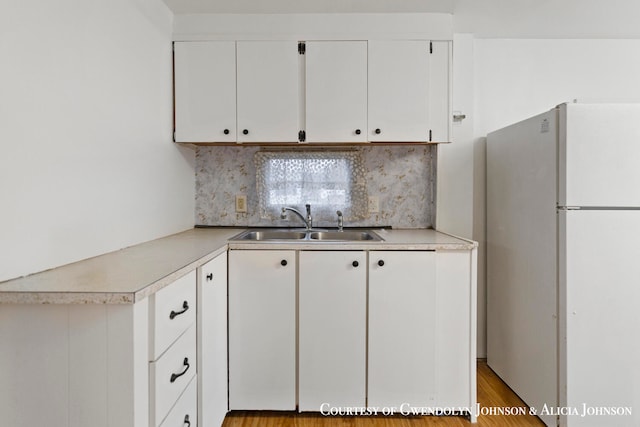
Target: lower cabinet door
point(212, 342)
point(262, 330)
point(185, 411)
point(402, 332)
point(332, 329)
point(171, 373)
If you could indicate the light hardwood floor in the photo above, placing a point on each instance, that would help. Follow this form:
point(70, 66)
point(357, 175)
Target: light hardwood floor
point(492, 392)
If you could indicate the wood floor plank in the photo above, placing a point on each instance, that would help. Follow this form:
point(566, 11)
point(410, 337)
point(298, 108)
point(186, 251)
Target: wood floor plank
point(492, 393)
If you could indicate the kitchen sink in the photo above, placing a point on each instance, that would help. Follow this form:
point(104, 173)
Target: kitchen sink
point(260, 235)
point(307, 236)
point(349, 236)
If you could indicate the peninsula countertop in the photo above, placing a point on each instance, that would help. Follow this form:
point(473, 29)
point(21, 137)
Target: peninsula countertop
point(131, 274)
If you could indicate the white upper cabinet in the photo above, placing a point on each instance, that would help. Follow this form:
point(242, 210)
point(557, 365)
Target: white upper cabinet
point(440, 91)
point(268, 91)
point(398, 90)
point(409, 91)
point(336, 91)
point(205, 91)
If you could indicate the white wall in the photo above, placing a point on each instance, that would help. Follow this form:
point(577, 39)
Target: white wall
point(87, 164)
point(460, 176)
point(518, 78)
point(313, 26)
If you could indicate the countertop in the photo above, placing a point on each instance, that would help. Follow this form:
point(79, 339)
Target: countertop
point(121, 277)
point(132, 274)
point(406, 239)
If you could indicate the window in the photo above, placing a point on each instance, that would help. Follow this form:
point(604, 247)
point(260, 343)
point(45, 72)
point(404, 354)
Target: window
point(327, 180)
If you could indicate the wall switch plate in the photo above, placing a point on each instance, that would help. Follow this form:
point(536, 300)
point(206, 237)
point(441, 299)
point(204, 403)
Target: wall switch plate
point(374, 204)
point(241, 203)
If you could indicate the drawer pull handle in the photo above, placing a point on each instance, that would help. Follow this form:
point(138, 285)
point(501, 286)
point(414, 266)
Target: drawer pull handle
point(174, 377)
point(381, 263)
point(186, 421)
point(210, 276)
point(185, 307)
point(283, 263)
point(355, 263)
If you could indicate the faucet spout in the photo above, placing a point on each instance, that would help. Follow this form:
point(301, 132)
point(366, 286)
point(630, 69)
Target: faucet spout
point(307, 221)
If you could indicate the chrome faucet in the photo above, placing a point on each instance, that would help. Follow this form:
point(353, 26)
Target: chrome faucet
point(308, 221)
point(340, 221)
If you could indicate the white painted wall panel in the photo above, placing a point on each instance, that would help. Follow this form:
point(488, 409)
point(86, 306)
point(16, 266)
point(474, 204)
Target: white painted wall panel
point(313, 26)
point(516, 79)
point(87, 161)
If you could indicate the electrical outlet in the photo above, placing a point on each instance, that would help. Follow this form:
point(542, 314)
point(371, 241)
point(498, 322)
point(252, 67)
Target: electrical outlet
point(241, 203)
point(374, 205)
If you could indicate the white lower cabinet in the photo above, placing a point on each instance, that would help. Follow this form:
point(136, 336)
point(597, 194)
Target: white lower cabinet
point(262, 329)
point(173, 311)
point(185, 411)
point(456, 328)
point(402, 329)
point(375, 328)
point(172, 366)
point(332, 329)
point(170, 375)
point(396, 333)
point(212, 342)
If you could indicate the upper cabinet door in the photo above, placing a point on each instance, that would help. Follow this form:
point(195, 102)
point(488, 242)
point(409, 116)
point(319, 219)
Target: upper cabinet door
point(336, 91)
point(205, 91)
point(399, 90)
point(268, 91)
point(440, 91)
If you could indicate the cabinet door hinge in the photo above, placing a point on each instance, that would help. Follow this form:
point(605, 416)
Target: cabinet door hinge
point(430, 47)
point(430, 135)
point(302, 136)
point(302, 48)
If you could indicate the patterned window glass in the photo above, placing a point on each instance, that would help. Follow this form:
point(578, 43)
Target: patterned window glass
point(327, 180)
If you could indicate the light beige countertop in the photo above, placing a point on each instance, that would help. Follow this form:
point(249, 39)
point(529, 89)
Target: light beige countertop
point(401, 239)
point(121, 277)
point(131, 274)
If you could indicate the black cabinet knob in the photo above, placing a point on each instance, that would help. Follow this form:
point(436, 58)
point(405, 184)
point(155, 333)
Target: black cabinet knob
point(378, 131)
point(355, 263)
point(283, 262)
point(358, 132)
point(245, 132)
point(210, 276)
point(381, 263)
point(226, 131)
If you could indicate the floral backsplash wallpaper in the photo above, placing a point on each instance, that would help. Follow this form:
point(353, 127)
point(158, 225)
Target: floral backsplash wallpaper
point(402, 178)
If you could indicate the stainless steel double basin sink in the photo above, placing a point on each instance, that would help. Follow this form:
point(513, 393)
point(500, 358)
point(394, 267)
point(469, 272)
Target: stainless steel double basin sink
point(307, 236)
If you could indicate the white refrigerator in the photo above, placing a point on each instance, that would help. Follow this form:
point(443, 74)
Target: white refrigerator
point(563, 263)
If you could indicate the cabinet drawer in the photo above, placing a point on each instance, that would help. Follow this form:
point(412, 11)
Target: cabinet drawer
point(179, 359)
point(185, 412)
point(173, 309)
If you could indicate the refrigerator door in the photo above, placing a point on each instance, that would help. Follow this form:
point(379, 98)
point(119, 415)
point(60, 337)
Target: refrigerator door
point(521, 259)
point(599, 296)
point(599, 155)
